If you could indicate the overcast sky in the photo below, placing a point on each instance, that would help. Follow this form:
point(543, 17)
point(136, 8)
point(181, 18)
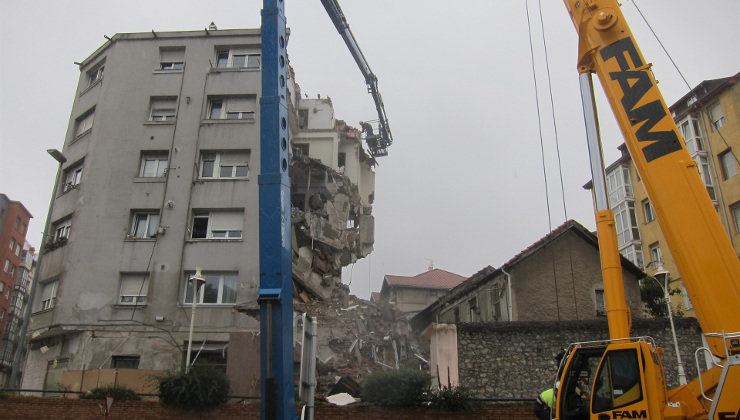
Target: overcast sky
point(463, 185)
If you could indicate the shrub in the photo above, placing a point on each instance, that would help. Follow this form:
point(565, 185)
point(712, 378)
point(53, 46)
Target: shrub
point(453, 398)
point(396, 388)
point(203, 387)
point(118, 392)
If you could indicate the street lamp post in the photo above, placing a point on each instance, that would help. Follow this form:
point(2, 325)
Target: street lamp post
point(15, 372)
point(661, 272)
point(196, 280)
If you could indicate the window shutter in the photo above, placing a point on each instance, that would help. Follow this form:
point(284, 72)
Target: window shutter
point(240, 104)
point(171, 55)
point(131, 285)
point(234, 158)
point(231, 220)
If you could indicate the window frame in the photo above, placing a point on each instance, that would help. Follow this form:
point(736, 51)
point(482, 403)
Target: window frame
point(171, 59)
point(161, 158)
point(222, 277)
point(226, 57)
point(95, 73)
point(84, 123)
point(72, 177)
point(647, 209)
point(51, 298)
point(61, 229)
point(220, 109)
point(656, 254)
point(151, 224)
point(209, 231)
point(216, 157)
point(716, 115)
point(163, 109)
point(735, 212)
point(728, 164)
point(138, 299)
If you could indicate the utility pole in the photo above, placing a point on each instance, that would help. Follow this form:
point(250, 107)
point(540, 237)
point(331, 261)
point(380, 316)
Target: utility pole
point(276, 279)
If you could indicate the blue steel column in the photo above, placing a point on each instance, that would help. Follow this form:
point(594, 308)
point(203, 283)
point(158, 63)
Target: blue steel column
point(276, 283)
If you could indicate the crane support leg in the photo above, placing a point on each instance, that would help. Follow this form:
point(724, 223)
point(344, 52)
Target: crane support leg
point(617, 312)
point(276, 282)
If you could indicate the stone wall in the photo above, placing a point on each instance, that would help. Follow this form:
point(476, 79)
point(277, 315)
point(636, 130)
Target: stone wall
point(517, 359)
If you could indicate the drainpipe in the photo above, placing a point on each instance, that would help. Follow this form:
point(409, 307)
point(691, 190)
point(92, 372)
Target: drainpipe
point(509, 306)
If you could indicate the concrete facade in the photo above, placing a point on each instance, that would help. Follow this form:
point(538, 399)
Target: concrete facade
point(161, 180)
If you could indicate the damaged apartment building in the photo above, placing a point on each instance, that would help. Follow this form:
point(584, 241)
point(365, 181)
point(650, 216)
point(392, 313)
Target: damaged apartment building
point(160, 181)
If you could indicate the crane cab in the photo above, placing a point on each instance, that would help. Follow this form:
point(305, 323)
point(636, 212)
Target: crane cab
point(611, 380)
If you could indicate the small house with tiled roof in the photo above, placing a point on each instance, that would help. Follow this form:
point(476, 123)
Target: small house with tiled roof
point(411, 294)
point(557, 278)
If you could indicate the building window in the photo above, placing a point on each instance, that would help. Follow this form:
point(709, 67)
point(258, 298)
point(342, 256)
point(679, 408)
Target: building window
point(735, 210)
point(95, 74)
point(341, 159)
point(600, 302)
point(153, 164)
point(6, 267)
point(727, 162)
point(144, 224)
point(210, 354)
point(303, 118)
point(163, 108)
point(706, 175)
point(218, 224)
point(124, 362)
point(23, 228)
point(686, 299)
point(692, 135)
point(626, 223)
point(474, 312)
point(133, 290)
point(219, 288)
point(647, 208)
point(12, 244)
point(72, 177)
point(237, 57)
point(224, 164)
point(61, 229)
point(84, 122)
point(619, 184)
point(171, 58)
point(656, 256)
point(634, 254)
point(231, 108)
point(716, 115)
point(48, 296)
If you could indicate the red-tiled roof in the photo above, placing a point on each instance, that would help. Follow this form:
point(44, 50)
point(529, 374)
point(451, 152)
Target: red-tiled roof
point(432, 279)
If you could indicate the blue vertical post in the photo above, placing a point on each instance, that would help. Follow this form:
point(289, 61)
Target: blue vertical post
point(276, 282)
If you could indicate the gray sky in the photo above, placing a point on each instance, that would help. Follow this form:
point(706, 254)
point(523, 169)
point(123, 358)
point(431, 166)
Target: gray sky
point(463, 184)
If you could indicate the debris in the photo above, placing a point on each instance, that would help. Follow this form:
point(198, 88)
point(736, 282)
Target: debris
point(341, 399)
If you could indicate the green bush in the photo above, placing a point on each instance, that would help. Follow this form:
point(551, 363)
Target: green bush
point(453, 398)
point(118, 392)
point(202, 388)
point(396, 388)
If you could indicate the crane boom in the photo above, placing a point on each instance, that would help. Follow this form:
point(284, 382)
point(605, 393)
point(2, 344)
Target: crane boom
point(630, 380)
point(378, 144)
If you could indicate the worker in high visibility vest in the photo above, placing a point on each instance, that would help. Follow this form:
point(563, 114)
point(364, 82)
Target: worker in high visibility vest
point(544, 403)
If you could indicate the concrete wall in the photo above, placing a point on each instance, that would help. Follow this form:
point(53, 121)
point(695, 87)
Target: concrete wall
point(516, 360)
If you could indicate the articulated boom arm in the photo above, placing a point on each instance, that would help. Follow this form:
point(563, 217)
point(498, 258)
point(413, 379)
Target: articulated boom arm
point(378, 144)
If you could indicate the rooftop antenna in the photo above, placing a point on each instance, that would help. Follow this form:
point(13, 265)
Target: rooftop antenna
point(431, 264)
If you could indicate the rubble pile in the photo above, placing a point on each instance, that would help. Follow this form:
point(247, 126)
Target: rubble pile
point(357, 337)
point(329, 225)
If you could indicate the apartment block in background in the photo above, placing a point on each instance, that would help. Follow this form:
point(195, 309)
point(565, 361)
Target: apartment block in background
point(14, 219)
point(708, 118)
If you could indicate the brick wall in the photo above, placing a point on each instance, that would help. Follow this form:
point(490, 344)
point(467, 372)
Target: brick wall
point(516, 359)
point(73, 408)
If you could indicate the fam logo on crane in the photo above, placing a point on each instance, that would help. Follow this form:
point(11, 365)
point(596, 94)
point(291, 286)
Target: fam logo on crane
point(635, 83)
